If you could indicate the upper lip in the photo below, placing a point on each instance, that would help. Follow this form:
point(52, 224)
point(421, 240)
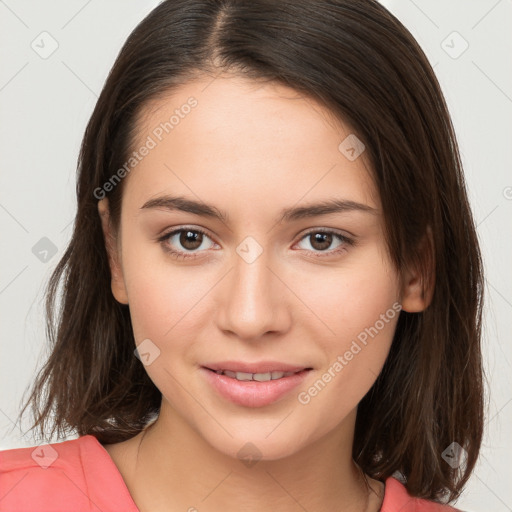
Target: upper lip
point(259, 367)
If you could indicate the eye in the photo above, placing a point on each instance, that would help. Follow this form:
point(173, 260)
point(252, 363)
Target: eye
point(322, 239)
point(191, 239)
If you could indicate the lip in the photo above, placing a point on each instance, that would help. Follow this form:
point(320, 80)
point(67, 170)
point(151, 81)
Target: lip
point(254, 393)
point(258, 367)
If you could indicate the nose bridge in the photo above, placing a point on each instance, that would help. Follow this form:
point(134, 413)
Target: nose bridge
point(253, 303)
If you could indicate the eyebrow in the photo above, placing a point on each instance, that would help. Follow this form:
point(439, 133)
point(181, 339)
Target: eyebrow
point(326, 207)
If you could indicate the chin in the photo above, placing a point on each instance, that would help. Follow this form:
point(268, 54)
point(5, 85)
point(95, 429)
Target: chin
point(253, 443)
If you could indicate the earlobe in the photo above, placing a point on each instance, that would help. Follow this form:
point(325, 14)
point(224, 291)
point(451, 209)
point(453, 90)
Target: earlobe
point(116, 272)
point(419, 280)
point(413, 296)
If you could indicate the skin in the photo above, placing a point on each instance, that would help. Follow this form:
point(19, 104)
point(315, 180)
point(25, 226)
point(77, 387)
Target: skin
point(252, 149)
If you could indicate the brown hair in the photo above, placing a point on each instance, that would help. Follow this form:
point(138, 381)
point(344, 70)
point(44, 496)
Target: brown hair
point(357, 59)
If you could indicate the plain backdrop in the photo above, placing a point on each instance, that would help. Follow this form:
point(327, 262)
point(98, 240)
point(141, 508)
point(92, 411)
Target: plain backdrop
point(48, 90)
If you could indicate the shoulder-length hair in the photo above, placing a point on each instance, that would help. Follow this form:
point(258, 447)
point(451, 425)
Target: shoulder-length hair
point(359, 61)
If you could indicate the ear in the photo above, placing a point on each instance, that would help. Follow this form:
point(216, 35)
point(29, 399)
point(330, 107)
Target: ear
point(116, 271)
point(418, 280)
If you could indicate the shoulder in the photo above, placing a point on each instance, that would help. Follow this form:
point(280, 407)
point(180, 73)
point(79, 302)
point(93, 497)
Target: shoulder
point(396, 498)
point(74, 475)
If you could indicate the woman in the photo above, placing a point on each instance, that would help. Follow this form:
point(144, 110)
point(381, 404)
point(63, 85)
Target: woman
point(272, 296)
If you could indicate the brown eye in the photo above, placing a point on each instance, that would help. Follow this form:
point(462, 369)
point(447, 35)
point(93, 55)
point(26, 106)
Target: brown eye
point(190, 240)
point(321, 240)
point(184, 242)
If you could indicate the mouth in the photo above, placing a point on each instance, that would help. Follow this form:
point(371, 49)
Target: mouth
point(254, 384)
point(259, 377)
point(262, 371)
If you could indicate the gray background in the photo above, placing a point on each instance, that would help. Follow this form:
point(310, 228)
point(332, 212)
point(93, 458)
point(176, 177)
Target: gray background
point(46, 100)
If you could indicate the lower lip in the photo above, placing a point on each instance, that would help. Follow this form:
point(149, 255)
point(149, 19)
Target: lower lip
point(251, 393)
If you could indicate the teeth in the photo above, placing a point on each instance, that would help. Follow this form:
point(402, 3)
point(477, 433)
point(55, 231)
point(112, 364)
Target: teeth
point(260, 377)
point(243, 376)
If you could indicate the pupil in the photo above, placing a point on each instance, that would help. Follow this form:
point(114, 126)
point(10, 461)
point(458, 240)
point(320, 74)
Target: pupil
point(190, 237)
point(324, 239)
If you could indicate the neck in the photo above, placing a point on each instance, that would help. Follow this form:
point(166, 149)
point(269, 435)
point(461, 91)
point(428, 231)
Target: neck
point(171, 467)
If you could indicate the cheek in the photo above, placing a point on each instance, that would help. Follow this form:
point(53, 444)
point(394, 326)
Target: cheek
point(336, 390)
point(164, 302)
point(360, 306)
point(162, 296)
point(352, 297)
point(353, 359)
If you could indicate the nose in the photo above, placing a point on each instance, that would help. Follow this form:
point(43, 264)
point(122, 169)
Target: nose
point(253, 300)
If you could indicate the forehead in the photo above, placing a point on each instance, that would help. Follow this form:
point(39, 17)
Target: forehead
point(256, 142)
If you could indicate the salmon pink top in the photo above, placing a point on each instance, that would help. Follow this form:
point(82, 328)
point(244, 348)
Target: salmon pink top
point(80, 476)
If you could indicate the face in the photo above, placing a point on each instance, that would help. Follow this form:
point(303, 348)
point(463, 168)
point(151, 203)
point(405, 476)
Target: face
point(232, 283)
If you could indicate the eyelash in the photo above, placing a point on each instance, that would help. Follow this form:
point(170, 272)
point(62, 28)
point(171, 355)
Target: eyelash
point(322, 254)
